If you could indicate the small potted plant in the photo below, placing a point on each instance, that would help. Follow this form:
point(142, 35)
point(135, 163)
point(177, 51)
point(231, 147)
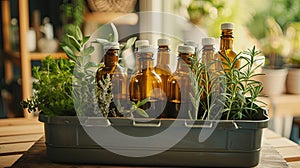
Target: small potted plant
point(293, 77)
point(276, 48)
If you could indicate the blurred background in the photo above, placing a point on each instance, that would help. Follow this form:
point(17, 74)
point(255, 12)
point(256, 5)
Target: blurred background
point(273, 26)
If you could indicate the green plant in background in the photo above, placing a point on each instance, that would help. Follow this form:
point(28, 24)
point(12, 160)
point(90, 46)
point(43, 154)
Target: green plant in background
point(276, 45)
point(294, 31)
point(294, 61)
point(272, 25)
point(198, 10)
point(72, 15)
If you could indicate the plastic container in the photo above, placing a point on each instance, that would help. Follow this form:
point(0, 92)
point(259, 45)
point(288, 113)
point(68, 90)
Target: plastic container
point(232, 143)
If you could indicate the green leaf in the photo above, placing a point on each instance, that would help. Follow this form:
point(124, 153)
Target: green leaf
point(91, 65)
point(140, 103)
point(142, 112)
point(74, 42)
point(129, 43)
point(89, 50)
point(69, 52)
point(100, 41)
point(115, 32)
point(78, 34)
point(85, 39)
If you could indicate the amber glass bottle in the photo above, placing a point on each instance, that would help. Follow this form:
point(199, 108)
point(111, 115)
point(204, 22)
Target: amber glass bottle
point(117, 74)
point(193, 44)
point(180, 86)
point(226, 45)
point(146, 83)
point(163, 60)
point(209, 61)
point(136, 46)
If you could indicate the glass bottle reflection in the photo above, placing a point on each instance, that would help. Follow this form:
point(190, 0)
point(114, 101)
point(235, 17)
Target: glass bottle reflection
point(147, 84)
point(180, 86)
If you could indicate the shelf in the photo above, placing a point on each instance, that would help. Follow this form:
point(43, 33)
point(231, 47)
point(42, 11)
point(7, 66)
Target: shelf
point(282, 105)
point(115, 17)
point(14, 56)
point(40, 56)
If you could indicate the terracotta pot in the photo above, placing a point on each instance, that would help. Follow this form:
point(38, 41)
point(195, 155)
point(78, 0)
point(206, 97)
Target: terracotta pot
point(293, 81)
point(274, 81)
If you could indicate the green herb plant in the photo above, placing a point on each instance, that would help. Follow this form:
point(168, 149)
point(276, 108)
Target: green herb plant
point(207, 85)
point(52, 88)
point(234, 88)
point(66, 87)
point(242, 90)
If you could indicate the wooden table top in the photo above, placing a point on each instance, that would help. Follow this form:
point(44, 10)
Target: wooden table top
point(22, 145)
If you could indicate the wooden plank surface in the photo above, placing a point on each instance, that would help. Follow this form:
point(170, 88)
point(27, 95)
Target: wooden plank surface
point(17, 135)
point(294, 164)
point(15, 148)
point(19, 121)
point(8, 160)
point(21, 130)
point(19, 138)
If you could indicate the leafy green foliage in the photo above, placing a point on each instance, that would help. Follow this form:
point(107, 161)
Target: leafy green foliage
point(53, 88)
point(123, 47)
point(72, 14)
point(238, 89)
point(83, 73)
point(104, 95)
point(242, 90)
point(135, 108)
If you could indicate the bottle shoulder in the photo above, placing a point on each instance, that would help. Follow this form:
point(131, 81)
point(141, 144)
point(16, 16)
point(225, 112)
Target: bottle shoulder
point(146, 76)
point(163, 69)
point(227, 51)
point(112, 70)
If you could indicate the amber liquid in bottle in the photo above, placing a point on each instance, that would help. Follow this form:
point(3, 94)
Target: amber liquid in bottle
point(162, 68)
point(147, 84)
point(226, 47)
point(118, 78)
point(179, 88)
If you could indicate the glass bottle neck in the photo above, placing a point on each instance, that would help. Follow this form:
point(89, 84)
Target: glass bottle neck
point(111, 58)
point(184, 61)
point(208, 48)
point(163, 55)
point(226, 39)
point(146, 61)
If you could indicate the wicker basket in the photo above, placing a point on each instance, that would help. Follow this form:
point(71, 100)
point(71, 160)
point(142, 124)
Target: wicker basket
point(125, 6)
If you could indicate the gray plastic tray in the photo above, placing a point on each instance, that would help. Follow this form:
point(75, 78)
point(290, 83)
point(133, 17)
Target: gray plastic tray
point(232, 143)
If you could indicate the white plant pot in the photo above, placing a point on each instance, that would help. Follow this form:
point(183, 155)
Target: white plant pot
point(293, 81)
point(274, 81)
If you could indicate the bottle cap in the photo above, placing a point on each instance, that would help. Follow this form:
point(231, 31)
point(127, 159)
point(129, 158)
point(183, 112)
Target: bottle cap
point(227, 26)
point(191, 43)
point(208, 41)
point(146, 48)
point(140, 43)
point(162, 41)
point(186, 49)
point(111, 45)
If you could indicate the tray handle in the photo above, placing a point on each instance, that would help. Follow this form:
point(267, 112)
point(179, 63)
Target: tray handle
point(146, 124)
point(195, 125)
point(96, 121)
